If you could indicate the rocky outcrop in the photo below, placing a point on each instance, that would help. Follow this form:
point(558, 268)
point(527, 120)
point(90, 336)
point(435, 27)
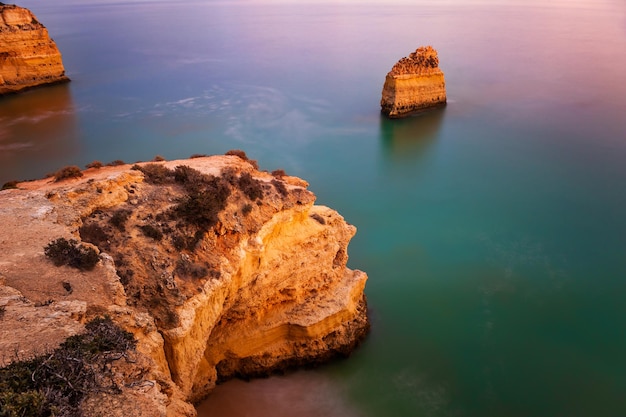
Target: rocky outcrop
point(414, 84)
point(218, 269)
point(28, 57)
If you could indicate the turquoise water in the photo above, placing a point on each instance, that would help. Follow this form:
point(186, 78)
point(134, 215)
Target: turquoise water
point(493, 230)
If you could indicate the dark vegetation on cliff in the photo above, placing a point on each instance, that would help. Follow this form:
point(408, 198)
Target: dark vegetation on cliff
point(9, 185)
point(69, 252)
point(197, 199)
point(179, 208)
point(67, 172)
point(54, 384)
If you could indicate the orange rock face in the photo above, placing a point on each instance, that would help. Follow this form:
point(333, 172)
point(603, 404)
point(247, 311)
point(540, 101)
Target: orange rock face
point(28, 57)
point(414, 83)
point(261, 285)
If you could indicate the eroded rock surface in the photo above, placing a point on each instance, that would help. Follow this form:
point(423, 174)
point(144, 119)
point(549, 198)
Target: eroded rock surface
point(414, 83)
point(254, 283)
point(28, 57)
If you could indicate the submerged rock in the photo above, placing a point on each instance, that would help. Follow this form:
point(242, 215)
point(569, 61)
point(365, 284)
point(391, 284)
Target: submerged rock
point(414, 83)
point(28, 57)
point(219, 270)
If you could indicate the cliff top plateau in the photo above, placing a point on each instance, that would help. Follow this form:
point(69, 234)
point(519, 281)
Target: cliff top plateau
point(415, 83)
point(28, 57)
point(132, 290)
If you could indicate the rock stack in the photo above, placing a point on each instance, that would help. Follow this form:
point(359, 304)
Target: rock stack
point(28, 57)
point(414, 84)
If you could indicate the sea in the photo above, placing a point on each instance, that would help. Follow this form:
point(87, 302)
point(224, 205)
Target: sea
point(493, 230)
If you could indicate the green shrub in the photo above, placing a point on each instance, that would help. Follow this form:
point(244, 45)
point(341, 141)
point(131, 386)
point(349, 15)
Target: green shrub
point(71, 171)
point(22, 404)
point(69, 252)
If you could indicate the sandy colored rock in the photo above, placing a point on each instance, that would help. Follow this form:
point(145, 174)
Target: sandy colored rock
point(415, 83)
point(264, 288)
point(28, 57)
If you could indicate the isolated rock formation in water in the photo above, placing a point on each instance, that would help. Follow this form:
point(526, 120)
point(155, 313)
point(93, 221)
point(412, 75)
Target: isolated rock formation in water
point(414, 84)
point(28, 57)
point(219, 270)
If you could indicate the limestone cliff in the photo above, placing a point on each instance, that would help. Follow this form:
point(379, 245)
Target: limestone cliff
point(414, 83)
point(218, 269)
point(28, 57)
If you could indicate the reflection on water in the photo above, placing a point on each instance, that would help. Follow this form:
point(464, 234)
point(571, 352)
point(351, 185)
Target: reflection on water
point(36, 128)
point(408, 139)
point(302, 394)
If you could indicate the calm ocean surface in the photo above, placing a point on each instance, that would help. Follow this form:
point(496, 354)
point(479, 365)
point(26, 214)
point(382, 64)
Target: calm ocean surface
point(493, 231)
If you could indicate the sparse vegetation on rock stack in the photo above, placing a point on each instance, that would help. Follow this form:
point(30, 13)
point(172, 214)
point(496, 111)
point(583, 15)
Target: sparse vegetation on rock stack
point(423, 60)
point(415, 83)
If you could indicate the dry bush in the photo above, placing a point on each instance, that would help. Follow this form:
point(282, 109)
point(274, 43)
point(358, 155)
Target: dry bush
point(280, 187)
point(250, 186)
point(115, 163)
point(246, 209)
point(151, 232)
point(95, 165)
point(201, 208)
point(69, 252)
point(71, 171)
point(119, 218)
point(242, 155)
point(94, 233)
point(10, 185)
point(188, 269)
point(237, 152)
point(190, 178)
point(56, 383)
point(156, 173)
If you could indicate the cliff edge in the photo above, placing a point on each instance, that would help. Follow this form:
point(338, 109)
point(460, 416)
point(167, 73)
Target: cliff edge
point(414, 83)
point(218, 270)
point(28, 57)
